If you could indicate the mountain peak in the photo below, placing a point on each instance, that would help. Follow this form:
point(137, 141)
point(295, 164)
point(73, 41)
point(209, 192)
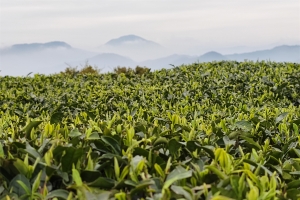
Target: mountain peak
point(212, 53)
point(128, 39)
point(56, 44)
point(131, 38)
point(212, 56)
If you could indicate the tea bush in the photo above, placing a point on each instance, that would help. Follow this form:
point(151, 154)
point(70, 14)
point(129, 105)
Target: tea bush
point(219, 130)
point(128, 71)
point(87, 69)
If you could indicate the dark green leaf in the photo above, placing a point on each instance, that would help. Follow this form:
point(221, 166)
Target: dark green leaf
point(17, 188)
point(71, 157)
point(32, 151)
point(56, 118)
point(141, 186)
point(173, 146)
point(294, 184)
point(245, 125)
point(293, 194)
point(113, 143)
point(1, 151)
point(251, 142)
point(103, 183)
point(59, 193)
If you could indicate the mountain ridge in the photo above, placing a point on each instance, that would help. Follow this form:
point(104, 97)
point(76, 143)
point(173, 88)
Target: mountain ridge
point(49, 57)
point(29, 47)
point(287, 53)
point(283, 53)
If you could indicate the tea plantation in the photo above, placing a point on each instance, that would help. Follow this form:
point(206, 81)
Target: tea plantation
point(220, 131)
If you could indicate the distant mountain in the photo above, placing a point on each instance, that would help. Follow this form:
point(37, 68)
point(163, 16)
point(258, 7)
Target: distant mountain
point(134, 47)
point(278, 54)
point(130, 40)
point(282, 53)
point(20, 59)
point(211, 56)
point(28, 48)
point(53, 57)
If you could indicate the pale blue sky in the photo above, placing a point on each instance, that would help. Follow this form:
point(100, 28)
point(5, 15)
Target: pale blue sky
point(88, 24)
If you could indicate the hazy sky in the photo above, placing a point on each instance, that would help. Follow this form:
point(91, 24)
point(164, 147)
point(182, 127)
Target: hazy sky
point(173, 23)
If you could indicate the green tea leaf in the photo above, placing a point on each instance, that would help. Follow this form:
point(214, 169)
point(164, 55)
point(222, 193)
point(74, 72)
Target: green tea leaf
point(21, 167)
point(245, 125)
point(76, 177)
point(220, 174)
point(17, 188)
point(30, 126)
point(177, 174)
point(1, 151)
point(59, 193)
point(36, 182)
point(281, 117)
point(117, 168)
point(93, 136)
point(159, 171)
point(74, 133)
point(181, 191)
point(160, 140)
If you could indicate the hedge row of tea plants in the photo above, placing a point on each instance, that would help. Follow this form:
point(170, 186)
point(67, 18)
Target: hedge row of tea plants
point(220, 130)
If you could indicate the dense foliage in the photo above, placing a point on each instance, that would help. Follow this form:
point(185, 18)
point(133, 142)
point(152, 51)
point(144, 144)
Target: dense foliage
point(86, 69)
point(127, 71)
point(221, 130)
